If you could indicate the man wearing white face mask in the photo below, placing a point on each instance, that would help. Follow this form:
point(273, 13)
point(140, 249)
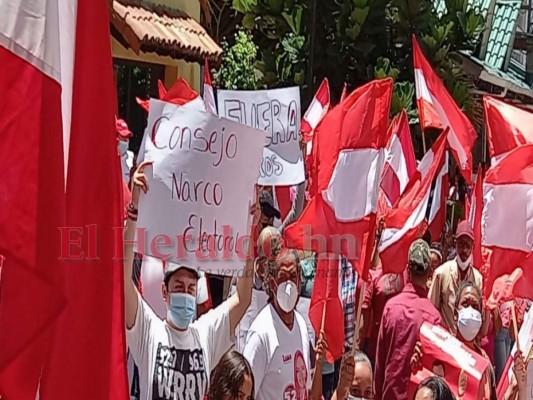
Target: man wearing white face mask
point(277, 345)
point(449, 276)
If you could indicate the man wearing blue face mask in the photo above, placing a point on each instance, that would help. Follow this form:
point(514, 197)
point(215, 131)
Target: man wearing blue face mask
point(175, 356)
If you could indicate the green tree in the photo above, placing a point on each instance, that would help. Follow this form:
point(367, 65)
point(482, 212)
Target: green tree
point(238, 64)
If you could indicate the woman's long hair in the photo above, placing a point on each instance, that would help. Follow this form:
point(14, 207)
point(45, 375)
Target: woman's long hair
point(228, 376)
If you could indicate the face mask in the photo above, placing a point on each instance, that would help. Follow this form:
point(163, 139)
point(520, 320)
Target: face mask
point(350, 397)
point(469, 323)
point(464, 264)
point(182, 309)
point(287, 295)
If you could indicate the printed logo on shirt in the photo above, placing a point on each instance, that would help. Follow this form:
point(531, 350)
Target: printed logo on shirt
point(286, 357)
point(179, 374)
point(300, 376)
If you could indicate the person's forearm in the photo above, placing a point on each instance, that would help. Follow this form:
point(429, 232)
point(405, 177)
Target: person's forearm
point(341, 392)
point(239, 302)
point(296, 209)
point(130, 292)
point(316, 387)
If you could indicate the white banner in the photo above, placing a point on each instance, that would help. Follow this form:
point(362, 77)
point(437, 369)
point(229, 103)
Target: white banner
point(277, 112)
point(201, 185)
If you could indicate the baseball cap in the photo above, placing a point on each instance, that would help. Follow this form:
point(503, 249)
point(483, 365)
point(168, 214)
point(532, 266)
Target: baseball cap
point(464, 229)
point(170, 268)
point(267, 205)
point(419, 257)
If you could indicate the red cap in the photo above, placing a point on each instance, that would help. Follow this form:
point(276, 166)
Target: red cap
point(464, 229)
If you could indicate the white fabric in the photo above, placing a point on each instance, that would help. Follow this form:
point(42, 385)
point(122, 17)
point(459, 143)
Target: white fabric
point(507, 219)
point(397, 161)
point(353, 188)
point(422, 91)
point(176, 365)
point(209, 99)
point(393, 235)
point(314, 113)
point(436, 203)
point(279, 357)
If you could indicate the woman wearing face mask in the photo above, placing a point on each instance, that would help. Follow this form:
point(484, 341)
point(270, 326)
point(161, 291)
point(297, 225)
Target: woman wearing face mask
point(277, 346)
point(356, 380)
point(468, 319)
point(232, 379)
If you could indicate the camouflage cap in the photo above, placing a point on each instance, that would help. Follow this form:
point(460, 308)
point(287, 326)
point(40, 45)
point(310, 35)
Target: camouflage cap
point(419, 260)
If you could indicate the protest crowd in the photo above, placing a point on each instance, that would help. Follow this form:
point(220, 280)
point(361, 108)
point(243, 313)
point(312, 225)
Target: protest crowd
point(272, 254)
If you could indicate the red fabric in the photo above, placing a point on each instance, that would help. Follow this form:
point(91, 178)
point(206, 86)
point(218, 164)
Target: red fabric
point(515, 167)
point(283, 198)
point(414, 201)
point(402, 318)
point(161, 89)
point(180, 93)
point(436, 226)
point(91, 326)
point(461, 133)
point(380, 288)
point(32, 201)
point(428, 115)
point(357, 123)
point(326, 293)
point(343, 94)
point(507, 126)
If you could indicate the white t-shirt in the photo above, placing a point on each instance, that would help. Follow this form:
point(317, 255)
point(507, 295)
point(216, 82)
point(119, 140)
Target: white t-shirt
point(279, 357)
point(259, 301)
point(176, 365)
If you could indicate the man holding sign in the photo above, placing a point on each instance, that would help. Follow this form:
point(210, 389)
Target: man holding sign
point(191, 154)
point(175, 356)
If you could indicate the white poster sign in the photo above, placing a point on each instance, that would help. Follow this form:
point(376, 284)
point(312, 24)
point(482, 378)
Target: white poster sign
point(201, 185)
point(277, 112)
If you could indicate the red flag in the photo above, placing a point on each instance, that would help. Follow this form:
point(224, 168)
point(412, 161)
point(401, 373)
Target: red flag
point(327, 293)
point(209, 94)
point(436, 217)
point(59, 239)
point(507, 126)
point(180, 93)
point(400, 164)
point(461, 133)
point(162, 89)
point(406, 221)
point(507, 219)
point(315, 113)
point(349, 158)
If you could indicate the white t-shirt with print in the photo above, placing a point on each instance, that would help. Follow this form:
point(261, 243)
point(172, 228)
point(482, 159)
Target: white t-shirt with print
point(279, 357)
point(175, 365)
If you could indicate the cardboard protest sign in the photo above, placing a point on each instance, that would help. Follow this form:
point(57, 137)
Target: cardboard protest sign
point(277, 112)
point(194, 105)
point(201, 185)
point(444, 355)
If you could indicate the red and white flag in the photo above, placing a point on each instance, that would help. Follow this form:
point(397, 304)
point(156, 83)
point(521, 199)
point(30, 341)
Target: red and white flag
point(507, 219)
point(436, 216)
point(315, 113)
point(507, 126)
point(406, 221)
point(162, 90)
point(209, 94)
point(400, 162)
point(59, 237)
point(180, 93)
point(461, 133)
point(326, 304)
point(340, 217)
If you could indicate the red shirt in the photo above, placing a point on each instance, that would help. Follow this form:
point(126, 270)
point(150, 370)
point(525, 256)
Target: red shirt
point(400, 325)
point(378, 290)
